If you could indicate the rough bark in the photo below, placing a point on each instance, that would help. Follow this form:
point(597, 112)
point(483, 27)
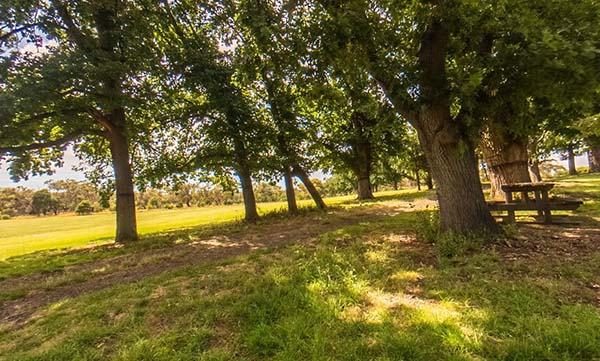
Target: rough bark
point(364, 190)
point(290, 194)
point(362, 150)
point(506, 158)
point(448, 149)
point(571, 160)
point(126, 217)
point(594, 155)
point(299, 172)
point(250, 215)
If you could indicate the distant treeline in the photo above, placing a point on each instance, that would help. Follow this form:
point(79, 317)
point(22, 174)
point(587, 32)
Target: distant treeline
point(67, 195)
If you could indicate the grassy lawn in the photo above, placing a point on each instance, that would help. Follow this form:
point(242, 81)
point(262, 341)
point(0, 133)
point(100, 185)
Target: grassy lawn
point(366, 289)
point(23, 235)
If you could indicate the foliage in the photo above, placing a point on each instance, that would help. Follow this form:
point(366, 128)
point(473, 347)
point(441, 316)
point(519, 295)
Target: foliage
point(43, 202)
point(84, 207)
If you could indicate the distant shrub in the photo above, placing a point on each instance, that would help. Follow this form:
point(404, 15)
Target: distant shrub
point(4, 217)
point(169, 206)
point(84, 207)
point(154, 203)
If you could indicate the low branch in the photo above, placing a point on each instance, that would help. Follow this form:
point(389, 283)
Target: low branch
point(72, 30)
point(6, 36)
point(34, 146)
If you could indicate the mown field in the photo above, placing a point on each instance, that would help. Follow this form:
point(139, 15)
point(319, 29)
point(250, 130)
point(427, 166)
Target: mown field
point(353, 283)
point(23, 235)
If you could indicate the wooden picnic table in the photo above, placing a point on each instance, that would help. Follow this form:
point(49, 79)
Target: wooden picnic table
point(540, 191)
point(540, 201)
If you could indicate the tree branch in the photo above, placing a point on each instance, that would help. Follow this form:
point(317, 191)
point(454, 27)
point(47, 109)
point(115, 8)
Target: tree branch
point(72, 30)
point(4, 37)
point(34, 146)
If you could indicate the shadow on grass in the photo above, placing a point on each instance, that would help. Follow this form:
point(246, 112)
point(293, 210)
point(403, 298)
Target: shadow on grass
point(363, 292)
point(405, 197)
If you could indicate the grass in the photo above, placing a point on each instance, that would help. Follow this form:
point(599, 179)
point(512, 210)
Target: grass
point(24, 235)
point(367, 291)
point(355, 294)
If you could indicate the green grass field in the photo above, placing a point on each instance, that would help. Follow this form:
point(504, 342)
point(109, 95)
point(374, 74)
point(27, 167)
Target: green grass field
point(364, 287)
point(23, 235)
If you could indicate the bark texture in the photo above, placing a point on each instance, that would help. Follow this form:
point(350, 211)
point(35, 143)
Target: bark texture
point(362, 156)
point(126, 214)
point(534, 171)
point(290, 194)
point(250, 215)
point(506, 158)
point(571, 159)
point(594, 154)
point(449, 152)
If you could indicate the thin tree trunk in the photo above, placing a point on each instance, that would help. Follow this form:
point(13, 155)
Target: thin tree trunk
point(418, 179)
point(251, 215)
point(126, 217)
point(395, 185)
point(571, 160)
point(289, 191)
point(429, 181)
point(299, 172)
point(362, 166)
point(507, 160)
point(534, 171)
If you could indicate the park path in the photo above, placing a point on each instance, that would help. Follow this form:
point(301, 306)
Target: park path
point(44, 289)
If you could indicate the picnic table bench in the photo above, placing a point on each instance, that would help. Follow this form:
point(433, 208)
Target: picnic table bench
point(540, 201)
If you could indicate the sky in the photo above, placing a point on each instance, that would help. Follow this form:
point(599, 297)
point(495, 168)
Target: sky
point(38, 182)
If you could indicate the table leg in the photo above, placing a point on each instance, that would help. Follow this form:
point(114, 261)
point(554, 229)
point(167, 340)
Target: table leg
point(539, 205)
point(546, 205)
point(511, 213)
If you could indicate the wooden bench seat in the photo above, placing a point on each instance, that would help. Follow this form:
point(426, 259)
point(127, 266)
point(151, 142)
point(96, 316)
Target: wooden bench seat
point(555, 205)
point(540, 201)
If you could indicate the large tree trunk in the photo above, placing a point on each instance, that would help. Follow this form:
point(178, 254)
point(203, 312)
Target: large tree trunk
point(594, 154)
point(571, 160)
point(250, 215)
point(289, 191)
point(299, 172)
point(126, 217)
point(454, 169)
point(364, 188)
point(506, 158)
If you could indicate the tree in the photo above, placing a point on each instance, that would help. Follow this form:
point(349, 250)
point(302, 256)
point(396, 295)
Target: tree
point(84, 207)
point(549, 78)
point(70, 193)
point(269, 56)
point(82, 87)
point(406, 49)
point(43, 202)
point(224, 133)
